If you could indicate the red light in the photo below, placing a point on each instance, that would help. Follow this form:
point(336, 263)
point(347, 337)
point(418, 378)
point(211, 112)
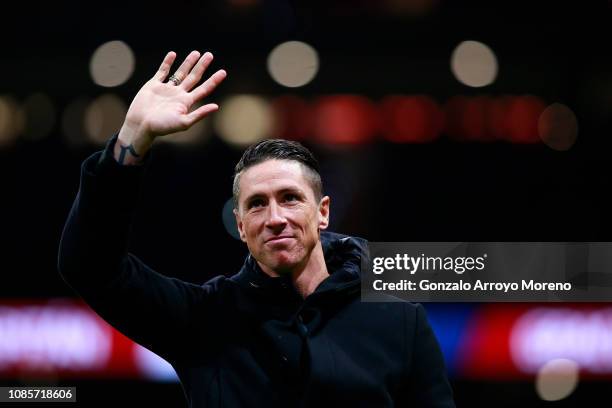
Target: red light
point(293, 118)
point(411, 119)
point(345, 120)
point(467, 118)
point(498, 120)
point(523, 115)
point(485, 349)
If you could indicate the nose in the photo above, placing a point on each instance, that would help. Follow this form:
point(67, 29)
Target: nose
point(275, 219)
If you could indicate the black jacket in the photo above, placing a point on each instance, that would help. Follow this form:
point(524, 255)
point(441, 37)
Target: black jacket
point(249, 340)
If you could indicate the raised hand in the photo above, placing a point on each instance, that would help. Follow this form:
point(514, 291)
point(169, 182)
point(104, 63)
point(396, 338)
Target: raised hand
point(160, 108)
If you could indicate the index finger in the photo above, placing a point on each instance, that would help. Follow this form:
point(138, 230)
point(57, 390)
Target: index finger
point(164, 68)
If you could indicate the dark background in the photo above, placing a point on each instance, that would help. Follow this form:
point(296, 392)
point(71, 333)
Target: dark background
point(446, 190)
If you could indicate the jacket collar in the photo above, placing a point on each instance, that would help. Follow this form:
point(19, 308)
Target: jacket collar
point(342, 253)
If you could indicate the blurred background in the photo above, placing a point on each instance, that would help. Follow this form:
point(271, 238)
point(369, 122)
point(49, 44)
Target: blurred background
point(433, 120)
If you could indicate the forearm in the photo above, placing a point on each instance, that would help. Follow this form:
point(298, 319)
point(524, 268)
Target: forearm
point(95, 237)
point(91, 248)
point(148, 307)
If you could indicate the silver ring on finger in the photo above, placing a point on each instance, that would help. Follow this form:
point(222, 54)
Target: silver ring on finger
point(175, 80)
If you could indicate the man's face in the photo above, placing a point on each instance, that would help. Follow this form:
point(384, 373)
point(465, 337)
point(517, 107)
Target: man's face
point(278, 216)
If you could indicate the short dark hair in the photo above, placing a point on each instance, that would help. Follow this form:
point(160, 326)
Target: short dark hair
point(279, 149)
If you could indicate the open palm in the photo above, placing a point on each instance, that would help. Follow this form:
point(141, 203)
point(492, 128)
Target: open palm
point(161, 108)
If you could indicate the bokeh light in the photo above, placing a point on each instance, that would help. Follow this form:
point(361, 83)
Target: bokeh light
point(466, 118)
point(40, 115)
point(558, 127)
point(411, 119)
point(474, 64)
point(112, 64)
point(523, 114)
point(293, 117)
point(557, 379)
point(73, 122)
point(345, 120)
point(104, 117)
point(153, 366)
point(229, 220)
point(12, 119)
point(244, 120)
point(293, 64)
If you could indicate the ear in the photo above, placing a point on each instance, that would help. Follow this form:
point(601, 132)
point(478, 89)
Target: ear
point(240, 225)
point(324, 212)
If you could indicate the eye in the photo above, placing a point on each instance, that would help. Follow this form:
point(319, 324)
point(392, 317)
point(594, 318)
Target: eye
point(255, 203)
point(291, 197)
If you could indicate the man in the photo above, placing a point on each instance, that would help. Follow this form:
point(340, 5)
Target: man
point(289, 329)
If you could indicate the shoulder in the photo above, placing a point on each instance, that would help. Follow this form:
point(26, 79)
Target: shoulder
point(411, 317)
point(405, 317)
point(416, 318)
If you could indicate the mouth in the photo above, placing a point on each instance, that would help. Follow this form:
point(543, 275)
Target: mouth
point(281, 239)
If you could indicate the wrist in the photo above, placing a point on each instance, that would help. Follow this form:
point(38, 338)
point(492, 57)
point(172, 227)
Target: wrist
point(135, 135)
point(132, 145)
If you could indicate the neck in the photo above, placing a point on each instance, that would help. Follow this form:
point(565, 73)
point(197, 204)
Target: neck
point(306, 278)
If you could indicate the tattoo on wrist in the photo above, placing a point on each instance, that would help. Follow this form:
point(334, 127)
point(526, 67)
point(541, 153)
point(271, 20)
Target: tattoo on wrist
point(124, 152)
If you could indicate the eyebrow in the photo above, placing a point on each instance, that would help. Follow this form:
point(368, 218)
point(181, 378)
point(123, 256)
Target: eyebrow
point(281, 191)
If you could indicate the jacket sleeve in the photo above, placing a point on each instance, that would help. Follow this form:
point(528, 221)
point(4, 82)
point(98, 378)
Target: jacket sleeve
point(148, 307)
point(429, 386)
